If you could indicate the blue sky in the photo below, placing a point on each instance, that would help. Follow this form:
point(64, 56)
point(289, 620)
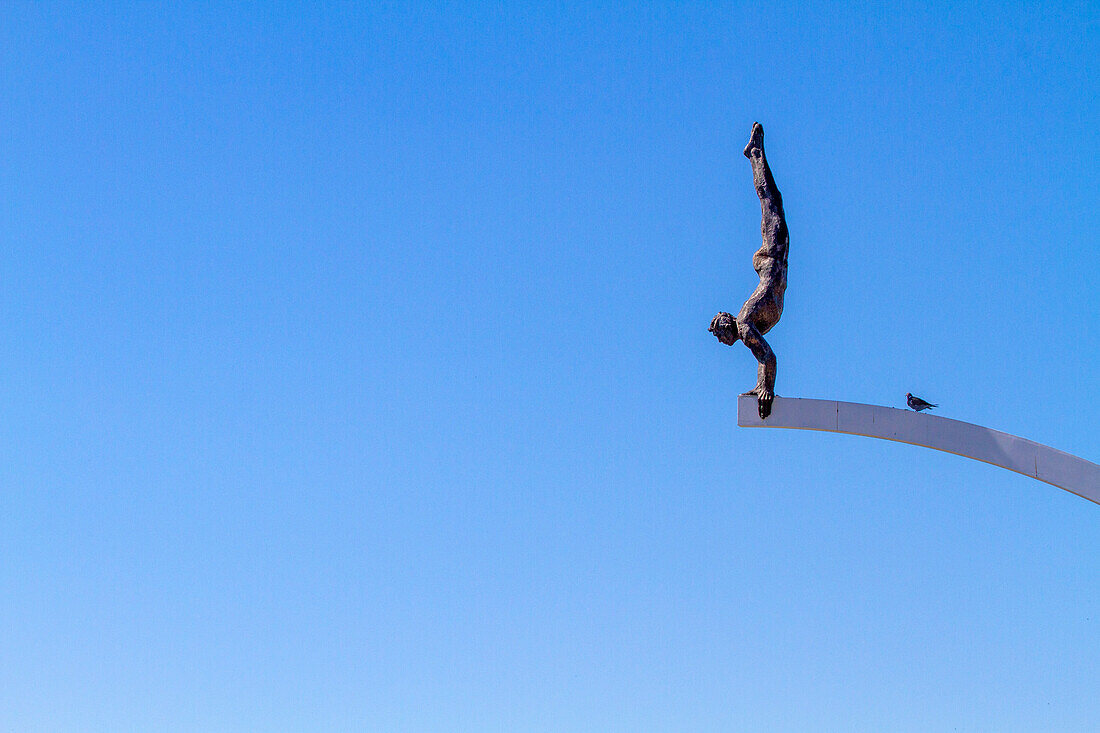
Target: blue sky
point(356, 375)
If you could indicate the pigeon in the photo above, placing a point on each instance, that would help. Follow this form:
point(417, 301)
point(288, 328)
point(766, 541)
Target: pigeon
point(917, 403)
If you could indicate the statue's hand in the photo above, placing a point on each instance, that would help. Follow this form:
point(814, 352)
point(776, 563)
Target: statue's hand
point(764, 399)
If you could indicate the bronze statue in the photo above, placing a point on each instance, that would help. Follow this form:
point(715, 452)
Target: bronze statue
point(764, 307)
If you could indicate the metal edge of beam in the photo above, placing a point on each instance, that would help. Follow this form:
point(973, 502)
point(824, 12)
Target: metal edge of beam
point(1032, 459)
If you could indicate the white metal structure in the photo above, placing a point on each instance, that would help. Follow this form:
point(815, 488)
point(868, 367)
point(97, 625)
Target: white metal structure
point(1041, 462)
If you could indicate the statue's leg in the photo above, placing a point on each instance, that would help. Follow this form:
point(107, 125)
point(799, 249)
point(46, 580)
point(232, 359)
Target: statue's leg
point(765, 373)
point(773, 225)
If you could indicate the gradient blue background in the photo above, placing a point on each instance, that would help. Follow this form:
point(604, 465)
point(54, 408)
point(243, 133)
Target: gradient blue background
point(354, 371)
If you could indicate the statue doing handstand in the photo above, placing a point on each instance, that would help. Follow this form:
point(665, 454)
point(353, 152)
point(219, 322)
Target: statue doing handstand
point(764, 307)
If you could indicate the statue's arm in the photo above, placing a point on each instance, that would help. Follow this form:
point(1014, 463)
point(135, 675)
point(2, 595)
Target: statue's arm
point(765, 373)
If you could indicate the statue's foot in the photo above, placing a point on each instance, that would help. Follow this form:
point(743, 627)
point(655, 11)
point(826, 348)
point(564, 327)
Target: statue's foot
point(756, 140)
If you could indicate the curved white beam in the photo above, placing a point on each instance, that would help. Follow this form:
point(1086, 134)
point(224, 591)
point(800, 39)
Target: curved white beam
point(1032, 459)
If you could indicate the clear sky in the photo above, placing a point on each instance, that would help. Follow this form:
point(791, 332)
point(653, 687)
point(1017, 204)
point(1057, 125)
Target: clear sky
point(354, 371)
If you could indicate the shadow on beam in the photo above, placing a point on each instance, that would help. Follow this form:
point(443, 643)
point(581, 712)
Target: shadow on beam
point(1032, 459)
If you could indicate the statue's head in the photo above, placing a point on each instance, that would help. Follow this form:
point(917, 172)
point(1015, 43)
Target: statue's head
point(724, 328)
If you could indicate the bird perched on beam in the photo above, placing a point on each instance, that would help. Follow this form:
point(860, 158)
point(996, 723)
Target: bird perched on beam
point(917, 403)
